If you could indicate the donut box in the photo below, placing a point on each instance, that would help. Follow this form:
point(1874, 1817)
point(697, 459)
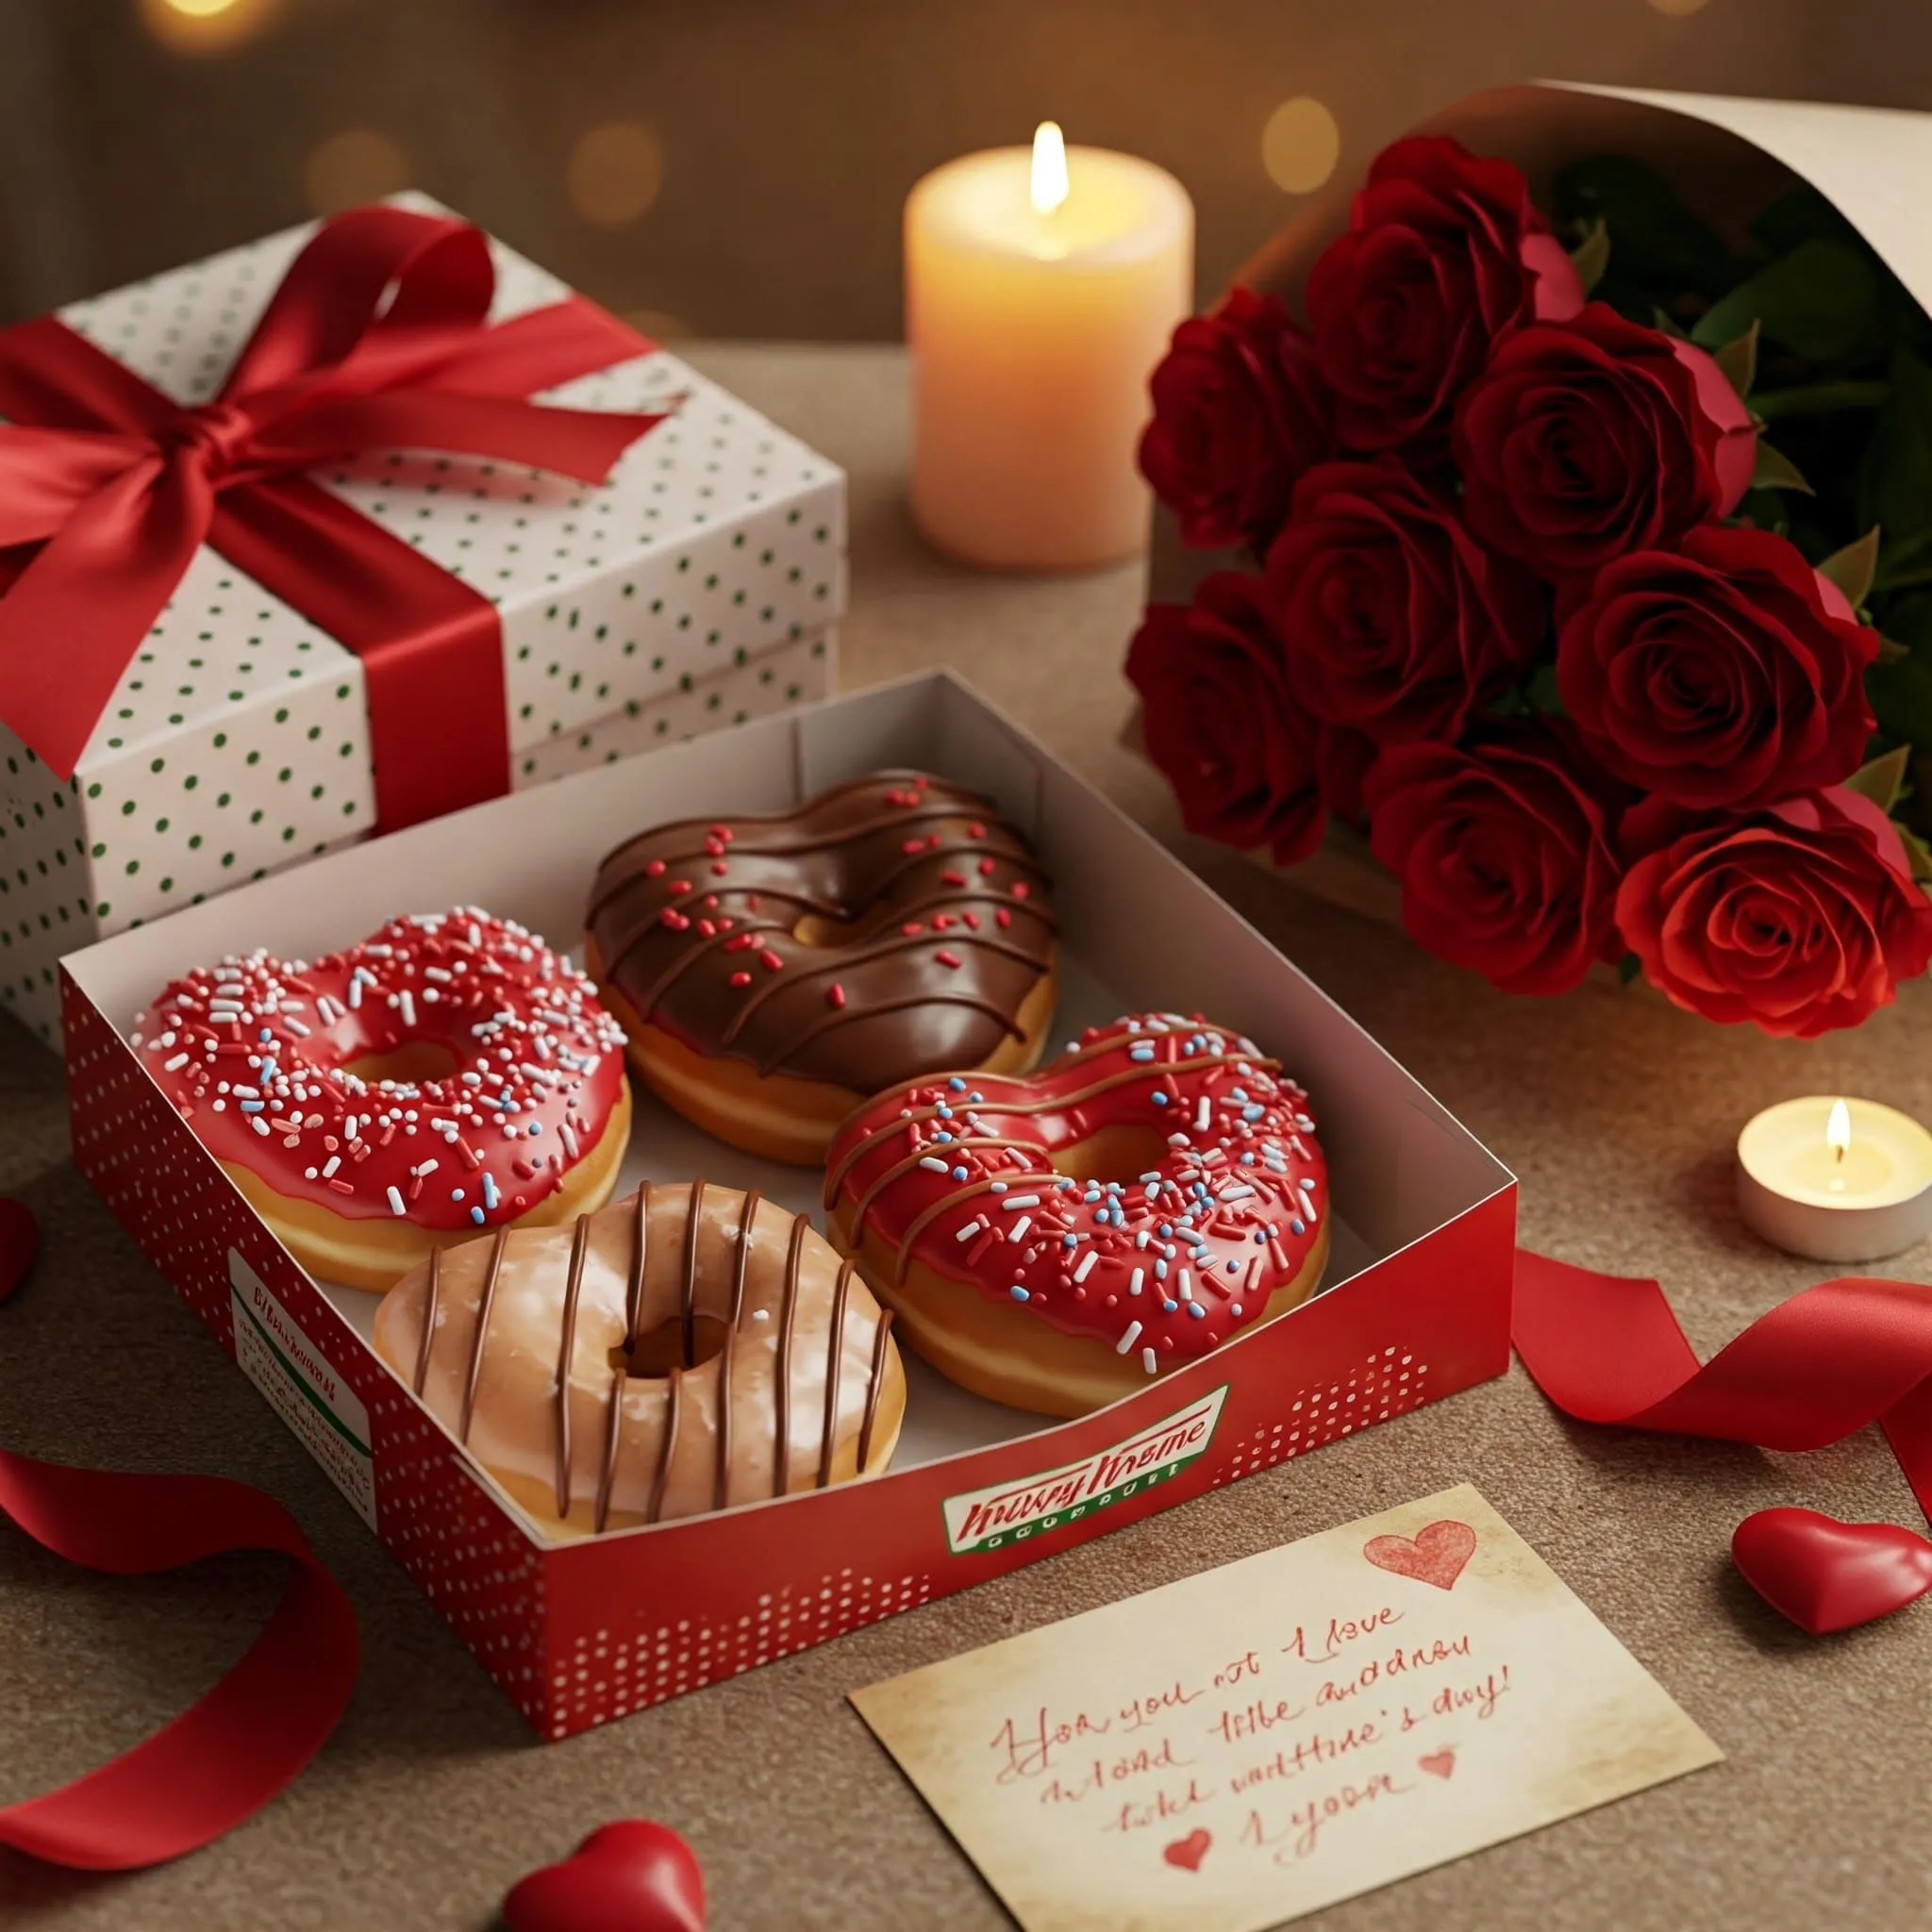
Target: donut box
point(1415, 1305)
point(698, 588)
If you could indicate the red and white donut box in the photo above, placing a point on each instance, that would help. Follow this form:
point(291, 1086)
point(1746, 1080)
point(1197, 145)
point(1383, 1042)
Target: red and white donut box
point(697, 588)
point(1418, 1307)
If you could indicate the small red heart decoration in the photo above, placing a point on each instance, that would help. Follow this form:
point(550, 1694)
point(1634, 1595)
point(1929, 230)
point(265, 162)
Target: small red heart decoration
point(1187, 1852)
point(633, 1876)
point(1434, 1555)
point(19, 1242)
point(1437, 1763)
point(1824, 1575)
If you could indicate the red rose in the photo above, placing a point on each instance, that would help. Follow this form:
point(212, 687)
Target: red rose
point(1504, 852)
point(1443, 255)
point(1803, 916)
point(1239, 414)
point(1585, 440)
point(1725, 672)
point(1243, 757)
point(1395, 620)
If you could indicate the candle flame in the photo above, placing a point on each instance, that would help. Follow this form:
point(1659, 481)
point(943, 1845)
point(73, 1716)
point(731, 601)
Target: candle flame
point(1049, 167)
point(1838, 1130)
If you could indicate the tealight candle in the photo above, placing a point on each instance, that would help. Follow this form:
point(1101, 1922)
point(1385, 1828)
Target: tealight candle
point(1837, 1180)
point(1041, 287)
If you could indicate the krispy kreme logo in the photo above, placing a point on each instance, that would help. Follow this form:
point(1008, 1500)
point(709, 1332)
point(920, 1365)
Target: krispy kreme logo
point(1009, 1512)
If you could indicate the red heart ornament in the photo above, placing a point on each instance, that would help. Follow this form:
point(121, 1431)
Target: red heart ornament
point(633, 1876)
point(1436, 1554)
point(1437, 1763)
point(1827, 1575)
point(19, 1242)
point(1187, 1852)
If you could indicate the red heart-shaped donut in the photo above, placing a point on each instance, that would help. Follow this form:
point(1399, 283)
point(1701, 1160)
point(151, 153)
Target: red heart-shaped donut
point(633, 1875)
point(1436, 1554)
point(19, 1242)
point(1827, 1575)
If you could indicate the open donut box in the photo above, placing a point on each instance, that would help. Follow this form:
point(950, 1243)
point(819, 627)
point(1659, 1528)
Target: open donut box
point(1416, 1305)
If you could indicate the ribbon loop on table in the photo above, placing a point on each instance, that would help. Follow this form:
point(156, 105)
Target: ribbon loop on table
point(228, 1753)
point(1816, 1369)
point(377, 338)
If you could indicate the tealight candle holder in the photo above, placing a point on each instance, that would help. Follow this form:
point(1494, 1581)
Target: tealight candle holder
point(1835, 1179)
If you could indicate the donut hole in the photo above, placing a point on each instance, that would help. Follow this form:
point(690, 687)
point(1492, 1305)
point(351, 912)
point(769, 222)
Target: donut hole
point(660, 1350)
point(1120, 1153)
point(818, 929)
point(410, 1063)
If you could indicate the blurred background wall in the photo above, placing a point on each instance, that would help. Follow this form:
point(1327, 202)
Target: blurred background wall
point(735, 167)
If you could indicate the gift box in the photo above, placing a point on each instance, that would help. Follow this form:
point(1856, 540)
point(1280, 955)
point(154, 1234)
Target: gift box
point(1744, 270)
point(1416, 1304)
point(697, 586)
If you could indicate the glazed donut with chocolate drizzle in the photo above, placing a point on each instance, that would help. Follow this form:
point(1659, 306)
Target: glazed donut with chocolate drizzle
point(773, 972)
point(448, 1074)
point(684, 1349)
point(1051, 1242)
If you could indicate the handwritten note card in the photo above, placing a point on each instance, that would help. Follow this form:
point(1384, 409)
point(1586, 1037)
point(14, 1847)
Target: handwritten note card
point(1246, 1745)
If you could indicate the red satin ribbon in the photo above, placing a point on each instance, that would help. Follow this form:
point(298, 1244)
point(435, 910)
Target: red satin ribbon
point(376, 340)
point(1816, 1369)
point(230, 1753)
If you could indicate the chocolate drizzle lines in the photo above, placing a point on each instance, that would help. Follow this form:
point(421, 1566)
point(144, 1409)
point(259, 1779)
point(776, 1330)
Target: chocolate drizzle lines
point(693, 1215)
point(841, 1016)
point(566, 1345)
point(613, 1429)
point(722, 1480)
point(849, 958)
point(835, 1352)
point(781, 1474)
point(880, 1335)
point(672, 1411)
point(482, 1334)
point(429, 1301)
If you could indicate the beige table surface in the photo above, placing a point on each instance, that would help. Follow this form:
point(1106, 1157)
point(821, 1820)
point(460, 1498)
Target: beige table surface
point(431, 1797)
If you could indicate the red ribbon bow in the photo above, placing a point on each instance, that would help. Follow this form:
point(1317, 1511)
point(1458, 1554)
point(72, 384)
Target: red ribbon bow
point(376, 340)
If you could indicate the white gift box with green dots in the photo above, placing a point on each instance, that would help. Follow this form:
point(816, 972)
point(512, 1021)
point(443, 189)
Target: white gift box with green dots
point(698, 588)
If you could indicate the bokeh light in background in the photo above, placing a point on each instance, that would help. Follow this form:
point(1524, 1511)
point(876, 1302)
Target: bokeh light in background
point(352, 167)
point(1300, 145)
point(205, 26)
point(614, 174)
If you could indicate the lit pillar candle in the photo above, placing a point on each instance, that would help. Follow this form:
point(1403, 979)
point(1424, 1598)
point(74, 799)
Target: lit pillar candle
point(1040, 290)
point(1837, 1180)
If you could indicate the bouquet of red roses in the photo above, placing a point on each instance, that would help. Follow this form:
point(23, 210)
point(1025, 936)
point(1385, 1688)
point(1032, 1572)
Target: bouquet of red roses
point(1585, 563)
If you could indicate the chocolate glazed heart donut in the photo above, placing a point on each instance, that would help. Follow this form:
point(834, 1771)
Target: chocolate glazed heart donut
point(774, 972)
point(1051, 1243)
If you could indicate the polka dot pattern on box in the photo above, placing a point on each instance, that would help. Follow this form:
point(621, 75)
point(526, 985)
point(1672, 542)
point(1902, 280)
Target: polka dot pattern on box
point(1389, 1383)
point(237, 742)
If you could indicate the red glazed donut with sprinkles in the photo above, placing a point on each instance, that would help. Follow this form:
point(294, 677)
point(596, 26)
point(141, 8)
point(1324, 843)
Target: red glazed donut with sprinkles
point(448, 1074)
point(1053, 1242)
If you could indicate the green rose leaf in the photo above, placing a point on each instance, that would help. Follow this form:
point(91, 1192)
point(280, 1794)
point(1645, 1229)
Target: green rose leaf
point(1591, 256)
point(1629, 967)
point(1895, 489)
point(1544, 694)
point(1900, 688)
point(1854, 568)
point(1738, 361)
point(1883, 779)
point(1820, 300)
point(1776, 472)
point(1661, 246)
point(1918, 853)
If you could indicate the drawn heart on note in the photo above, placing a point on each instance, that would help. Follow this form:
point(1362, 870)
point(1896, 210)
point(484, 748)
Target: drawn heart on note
point(633, 1876)
point(19, 1242)
point(1187, 1852)
point(1827, 1575)
point(1437, 1763)
point(1434, 1555)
